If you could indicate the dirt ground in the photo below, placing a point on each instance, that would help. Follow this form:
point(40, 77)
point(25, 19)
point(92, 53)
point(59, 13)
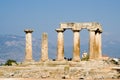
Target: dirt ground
point(31, 79)
point(42, 79)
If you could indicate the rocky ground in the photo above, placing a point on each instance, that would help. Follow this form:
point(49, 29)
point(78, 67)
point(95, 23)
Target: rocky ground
point(50, 70)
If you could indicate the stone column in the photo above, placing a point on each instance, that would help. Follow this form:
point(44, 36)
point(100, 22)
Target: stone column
point(95, 50)
point(76, 45)
point(60, 45)
point(91, 44)
point(100, 45)
point(28, 49)
point(44, 47)
point(98, 49)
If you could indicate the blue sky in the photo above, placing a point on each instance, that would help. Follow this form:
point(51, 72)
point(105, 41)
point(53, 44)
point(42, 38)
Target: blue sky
point(45, 16)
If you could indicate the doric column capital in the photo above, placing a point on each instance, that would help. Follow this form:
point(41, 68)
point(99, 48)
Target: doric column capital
point(76, 30)
point(60, 30)
point(91, 30)
point(95, 30)
point(28, 30)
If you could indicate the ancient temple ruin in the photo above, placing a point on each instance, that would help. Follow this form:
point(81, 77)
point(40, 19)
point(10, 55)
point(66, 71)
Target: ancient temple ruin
point(95, 30)
point(95, 50)
point(60, 69)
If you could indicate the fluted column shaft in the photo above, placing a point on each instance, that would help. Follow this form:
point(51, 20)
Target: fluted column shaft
point(60, 45)
point(44, 47)
point(28, 49)
point(76, 45)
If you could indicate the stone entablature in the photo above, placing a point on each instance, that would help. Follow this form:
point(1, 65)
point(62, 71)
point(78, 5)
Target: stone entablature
point(79, 26)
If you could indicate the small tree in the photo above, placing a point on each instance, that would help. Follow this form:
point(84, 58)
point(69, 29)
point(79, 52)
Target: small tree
point(10, 62)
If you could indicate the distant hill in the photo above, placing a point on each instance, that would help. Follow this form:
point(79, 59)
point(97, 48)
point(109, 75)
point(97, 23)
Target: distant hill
point(13, 47)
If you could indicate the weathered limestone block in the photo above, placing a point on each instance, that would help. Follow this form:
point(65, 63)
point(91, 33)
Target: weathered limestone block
point(74, 25)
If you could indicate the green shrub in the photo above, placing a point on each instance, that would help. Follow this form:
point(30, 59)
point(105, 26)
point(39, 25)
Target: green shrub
point(10, 62)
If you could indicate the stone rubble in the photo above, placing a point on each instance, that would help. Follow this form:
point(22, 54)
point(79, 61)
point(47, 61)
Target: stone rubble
point(84, 70)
